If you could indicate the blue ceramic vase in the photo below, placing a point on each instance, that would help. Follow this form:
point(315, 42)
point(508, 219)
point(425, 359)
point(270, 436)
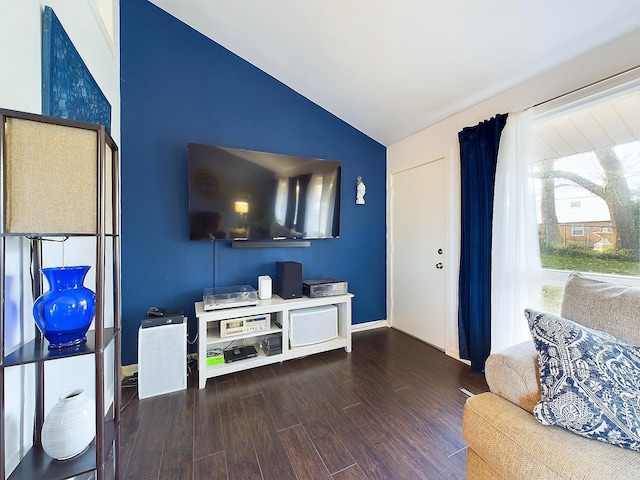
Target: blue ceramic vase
point(64, 313)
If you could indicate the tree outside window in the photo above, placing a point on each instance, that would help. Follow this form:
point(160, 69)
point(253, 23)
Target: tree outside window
point(588, 187)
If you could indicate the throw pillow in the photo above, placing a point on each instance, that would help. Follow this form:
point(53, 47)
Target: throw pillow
point(590, 381)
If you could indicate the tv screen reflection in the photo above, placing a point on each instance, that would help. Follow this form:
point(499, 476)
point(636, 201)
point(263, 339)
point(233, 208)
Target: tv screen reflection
point(237, 194)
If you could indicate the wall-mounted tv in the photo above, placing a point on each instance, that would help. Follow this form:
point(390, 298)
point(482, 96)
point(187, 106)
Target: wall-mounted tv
point(237, 194)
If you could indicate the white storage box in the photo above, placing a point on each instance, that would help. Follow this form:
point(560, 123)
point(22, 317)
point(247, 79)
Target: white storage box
point(313, 325)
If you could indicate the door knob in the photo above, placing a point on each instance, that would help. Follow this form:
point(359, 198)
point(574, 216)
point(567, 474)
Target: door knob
point(440, 251)
point(439, 266)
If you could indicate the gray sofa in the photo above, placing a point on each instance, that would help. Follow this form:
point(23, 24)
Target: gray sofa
point(504, 438)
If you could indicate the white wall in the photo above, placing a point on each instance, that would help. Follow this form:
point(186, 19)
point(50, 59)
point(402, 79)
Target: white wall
point(21, 49)
point(93, 26)
point(441, 139)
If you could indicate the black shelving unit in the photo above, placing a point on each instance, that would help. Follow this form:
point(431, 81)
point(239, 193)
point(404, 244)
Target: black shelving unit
point(101, 459)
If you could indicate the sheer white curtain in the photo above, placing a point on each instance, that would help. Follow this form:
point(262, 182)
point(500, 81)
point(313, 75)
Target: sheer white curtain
point(282, 194)
point(516, 272)
point(320, 205)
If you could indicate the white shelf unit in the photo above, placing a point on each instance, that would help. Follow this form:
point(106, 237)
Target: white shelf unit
point(209, 332)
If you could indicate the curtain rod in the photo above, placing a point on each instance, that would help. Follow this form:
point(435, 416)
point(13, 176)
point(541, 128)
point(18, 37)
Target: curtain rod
point(584, 87)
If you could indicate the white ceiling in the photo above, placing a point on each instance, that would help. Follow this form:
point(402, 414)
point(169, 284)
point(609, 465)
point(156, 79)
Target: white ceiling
point(391, 68)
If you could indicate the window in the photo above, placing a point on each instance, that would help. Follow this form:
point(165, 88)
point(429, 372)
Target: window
point(587, 178)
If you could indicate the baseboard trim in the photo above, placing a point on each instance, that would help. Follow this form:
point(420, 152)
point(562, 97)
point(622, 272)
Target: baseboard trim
point(358, 327)
point(455, 353)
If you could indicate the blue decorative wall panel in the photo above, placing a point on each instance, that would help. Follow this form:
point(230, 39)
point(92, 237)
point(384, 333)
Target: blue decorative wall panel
point(68, 88)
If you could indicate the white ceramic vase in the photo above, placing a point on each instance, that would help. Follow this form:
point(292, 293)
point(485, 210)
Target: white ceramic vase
point(70, 426)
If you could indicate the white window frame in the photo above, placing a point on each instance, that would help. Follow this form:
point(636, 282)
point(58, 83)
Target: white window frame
point(612, 87)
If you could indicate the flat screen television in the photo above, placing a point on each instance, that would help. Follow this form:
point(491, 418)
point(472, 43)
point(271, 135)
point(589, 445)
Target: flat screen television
point(237, 194)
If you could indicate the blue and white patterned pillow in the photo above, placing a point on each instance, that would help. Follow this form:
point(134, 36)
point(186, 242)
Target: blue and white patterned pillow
point(590, 380)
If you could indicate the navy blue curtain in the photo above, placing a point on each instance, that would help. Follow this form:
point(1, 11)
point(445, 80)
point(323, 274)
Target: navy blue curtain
point(478, 158)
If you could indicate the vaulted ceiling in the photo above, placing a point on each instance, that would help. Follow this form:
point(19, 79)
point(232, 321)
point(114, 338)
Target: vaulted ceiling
point(391, 68)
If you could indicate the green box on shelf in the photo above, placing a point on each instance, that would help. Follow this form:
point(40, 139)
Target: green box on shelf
point(214, 357)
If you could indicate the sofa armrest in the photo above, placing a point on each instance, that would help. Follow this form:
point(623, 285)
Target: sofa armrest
point(512, 374)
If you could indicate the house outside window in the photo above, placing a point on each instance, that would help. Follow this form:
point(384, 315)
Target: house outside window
point(577, 231)
point(587, 179)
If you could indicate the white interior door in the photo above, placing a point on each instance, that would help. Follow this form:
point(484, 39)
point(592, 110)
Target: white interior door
point(417, 252)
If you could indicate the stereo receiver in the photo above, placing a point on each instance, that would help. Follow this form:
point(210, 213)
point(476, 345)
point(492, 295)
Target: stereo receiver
point(324, 287)
point(238, 326)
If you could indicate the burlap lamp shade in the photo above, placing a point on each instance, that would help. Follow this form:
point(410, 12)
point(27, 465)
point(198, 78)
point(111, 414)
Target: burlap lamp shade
point(51, 178)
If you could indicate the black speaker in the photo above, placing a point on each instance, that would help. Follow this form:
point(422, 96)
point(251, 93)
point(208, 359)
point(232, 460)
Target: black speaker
point(288, 282)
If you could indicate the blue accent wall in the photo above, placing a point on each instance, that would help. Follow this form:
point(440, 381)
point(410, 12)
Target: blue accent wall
point(178, 86)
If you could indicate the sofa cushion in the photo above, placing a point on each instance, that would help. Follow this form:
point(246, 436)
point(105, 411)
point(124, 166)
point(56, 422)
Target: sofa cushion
point(603, 306)
point(590, 381)
point(512, 443)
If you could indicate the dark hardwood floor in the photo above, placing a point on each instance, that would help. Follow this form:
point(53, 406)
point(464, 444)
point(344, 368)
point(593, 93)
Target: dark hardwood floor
point(391, 409)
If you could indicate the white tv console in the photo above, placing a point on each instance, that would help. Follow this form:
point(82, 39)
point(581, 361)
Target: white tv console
point(209, 332)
